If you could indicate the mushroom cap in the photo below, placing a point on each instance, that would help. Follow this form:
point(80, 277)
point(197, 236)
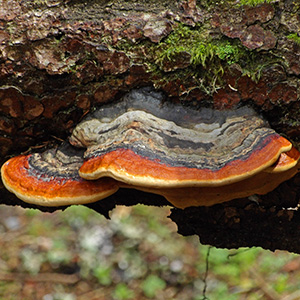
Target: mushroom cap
point(51, 179)
point(144, 141)
point(126, 166)
point(260, 183)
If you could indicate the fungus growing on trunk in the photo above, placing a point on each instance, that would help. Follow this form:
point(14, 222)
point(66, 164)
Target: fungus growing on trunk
point(261, 183)
point(51, 178)
point(191, 157)
point(146, 142)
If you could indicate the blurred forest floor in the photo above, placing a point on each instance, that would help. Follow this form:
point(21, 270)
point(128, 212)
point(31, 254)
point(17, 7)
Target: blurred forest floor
point(78, 254)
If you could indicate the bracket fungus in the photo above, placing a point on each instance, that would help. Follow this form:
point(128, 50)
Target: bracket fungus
point(51, 178)
point(192, 157)
point(261, 183)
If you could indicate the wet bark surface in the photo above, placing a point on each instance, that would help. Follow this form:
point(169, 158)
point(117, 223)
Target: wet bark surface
point(61, 59)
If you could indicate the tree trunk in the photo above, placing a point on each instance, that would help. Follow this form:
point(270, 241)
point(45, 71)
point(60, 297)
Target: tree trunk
point(59, 59)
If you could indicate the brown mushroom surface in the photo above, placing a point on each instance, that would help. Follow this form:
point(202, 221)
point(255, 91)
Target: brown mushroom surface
point(51, 179)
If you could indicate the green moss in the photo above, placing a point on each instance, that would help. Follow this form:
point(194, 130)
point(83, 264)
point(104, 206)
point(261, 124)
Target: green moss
point(207, 4)
point(254, 2)
point(294, 37)
point(213, 3)
point(184, 39)
point(39, 3)
point(192, 55)
point(200, 46)
point(230, 51)
point(208, 57)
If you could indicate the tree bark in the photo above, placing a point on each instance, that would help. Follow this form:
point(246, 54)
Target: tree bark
point(60, 59)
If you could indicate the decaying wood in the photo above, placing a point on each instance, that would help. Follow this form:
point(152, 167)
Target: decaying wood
point(60, 59)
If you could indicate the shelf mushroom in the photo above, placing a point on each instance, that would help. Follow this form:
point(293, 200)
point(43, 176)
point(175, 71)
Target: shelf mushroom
point(51, 178)
point(192, 157)
point(261, 183)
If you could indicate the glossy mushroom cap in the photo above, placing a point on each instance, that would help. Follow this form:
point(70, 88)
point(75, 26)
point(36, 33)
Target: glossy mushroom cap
point(287, 160)
point(146, 142)
point(51, 179)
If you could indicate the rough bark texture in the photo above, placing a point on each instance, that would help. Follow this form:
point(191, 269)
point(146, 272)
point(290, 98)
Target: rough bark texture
point(60, 59)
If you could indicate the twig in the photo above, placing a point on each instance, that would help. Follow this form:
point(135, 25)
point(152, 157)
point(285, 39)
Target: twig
point(264, 286)
point(41, 277)
point(294, 296)
point(206, 274)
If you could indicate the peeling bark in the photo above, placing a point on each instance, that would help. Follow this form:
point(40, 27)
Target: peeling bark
point(60, 59)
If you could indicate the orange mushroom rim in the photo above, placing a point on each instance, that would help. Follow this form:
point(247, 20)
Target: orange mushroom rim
point(127, 161)
point(40, 185)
